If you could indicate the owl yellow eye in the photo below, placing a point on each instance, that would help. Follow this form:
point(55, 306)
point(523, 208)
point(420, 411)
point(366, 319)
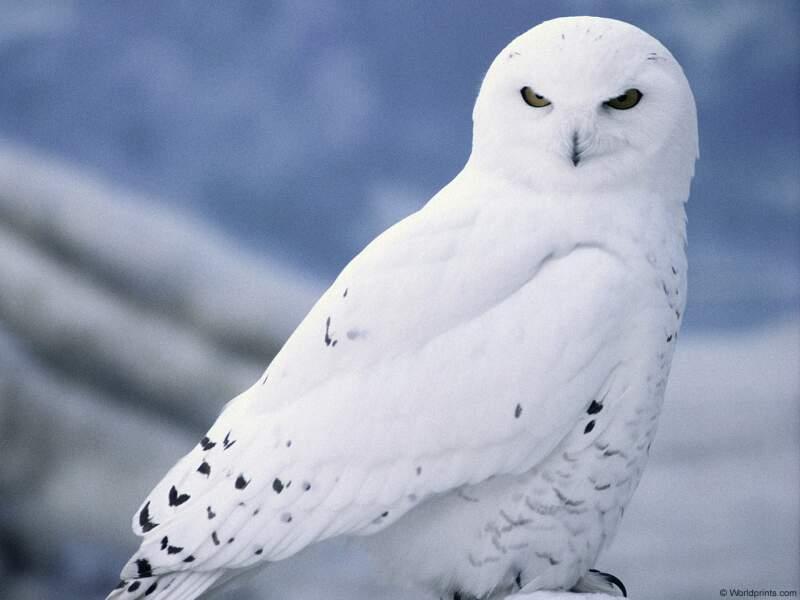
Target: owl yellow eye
point(533, 99)
point(625, 101)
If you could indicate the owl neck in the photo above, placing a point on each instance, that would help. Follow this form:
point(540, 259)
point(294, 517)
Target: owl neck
point(649, 208)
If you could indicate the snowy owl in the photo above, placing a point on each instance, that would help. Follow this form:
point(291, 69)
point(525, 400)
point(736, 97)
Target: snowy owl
point(476, 393)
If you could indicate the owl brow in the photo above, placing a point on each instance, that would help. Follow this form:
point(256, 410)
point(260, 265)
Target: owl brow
point(622, 92)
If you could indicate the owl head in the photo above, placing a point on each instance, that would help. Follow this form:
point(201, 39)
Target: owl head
point(587, 103)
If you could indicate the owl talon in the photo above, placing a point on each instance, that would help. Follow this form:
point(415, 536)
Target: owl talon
point(598, 582)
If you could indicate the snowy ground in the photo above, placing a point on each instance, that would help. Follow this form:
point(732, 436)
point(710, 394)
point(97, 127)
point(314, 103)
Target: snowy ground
point(118, 345)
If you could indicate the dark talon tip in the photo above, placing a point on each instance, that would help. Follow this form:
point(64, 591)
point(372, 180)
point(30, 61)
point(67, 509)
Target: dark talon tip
point(614, 580)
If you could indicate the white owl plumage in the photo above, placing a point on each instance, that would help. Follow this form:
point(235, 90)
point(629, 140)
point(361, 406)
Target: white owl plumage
point(478, 389)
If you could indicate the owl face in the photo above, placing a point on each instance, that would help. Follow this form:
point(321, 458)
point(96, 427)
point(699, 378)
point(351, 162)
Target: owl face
point(584, 101)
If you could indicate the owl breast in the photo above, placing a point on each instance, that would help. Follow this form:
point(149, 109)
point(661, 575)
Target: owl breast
point(547, 525)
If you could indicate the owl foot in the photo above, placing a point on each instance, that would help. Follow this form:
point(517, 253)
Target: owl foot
point(598, 582)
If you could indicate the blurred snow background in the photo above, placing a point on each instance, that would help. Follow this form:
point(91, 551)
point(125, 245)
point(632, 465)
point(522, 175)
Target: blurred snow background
point(178, 182)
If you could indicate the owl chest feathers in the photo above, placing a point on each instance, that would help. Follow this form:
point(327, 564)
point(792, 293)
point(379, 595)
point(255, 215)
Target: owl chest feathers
point(613, 255)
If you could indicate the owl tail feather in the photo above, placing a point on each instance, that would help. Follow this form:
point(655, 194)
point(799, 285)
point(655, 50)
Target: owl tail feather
point(183, 585)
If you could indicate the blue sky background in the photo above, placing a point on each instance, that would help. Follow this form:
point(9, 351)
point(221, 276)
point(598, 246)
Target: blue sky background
point(304, 128)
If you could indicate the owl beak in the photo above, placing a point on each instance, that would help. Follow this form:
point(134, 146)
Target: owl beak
point(579, 136)
point(580, 144)
point(576, 151)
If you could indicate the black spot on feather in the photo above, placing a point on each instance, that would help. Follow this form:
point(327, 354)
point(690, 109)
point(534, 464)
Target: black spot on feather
point(210, 513)
point(277, 485)
point(145, 521)
point(176, 499)
point(259, 551)
point(329, 341)
point(517, 411)
point(214, 538)
point(241, 482)
point(174, 549)
point(589, 426)
point(227, 442)
point(189, 559)
point(204, 468)
point(122, 583)
point(669, 338)
point(134, 586)
point(345, 293)
point(164, 542)
point(231, 540)
point(553, 562)
point(594, 408)
point(151, 589)
point(207, 444)
point(143, 568)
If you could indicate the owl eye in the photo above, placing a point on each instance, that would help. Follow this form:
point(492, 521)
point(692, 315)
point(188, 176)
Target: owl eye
point(533, 99)
point(625, 101)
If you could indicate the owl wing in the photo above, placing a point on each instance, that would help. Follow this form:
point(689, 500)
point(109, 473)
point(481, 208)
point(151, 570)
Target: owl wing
point(444, 354)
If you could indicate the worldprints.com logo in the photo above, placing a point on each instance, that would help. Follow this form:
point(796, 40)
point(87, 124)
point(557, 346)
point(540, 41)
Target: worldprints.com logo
point(751, 593)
